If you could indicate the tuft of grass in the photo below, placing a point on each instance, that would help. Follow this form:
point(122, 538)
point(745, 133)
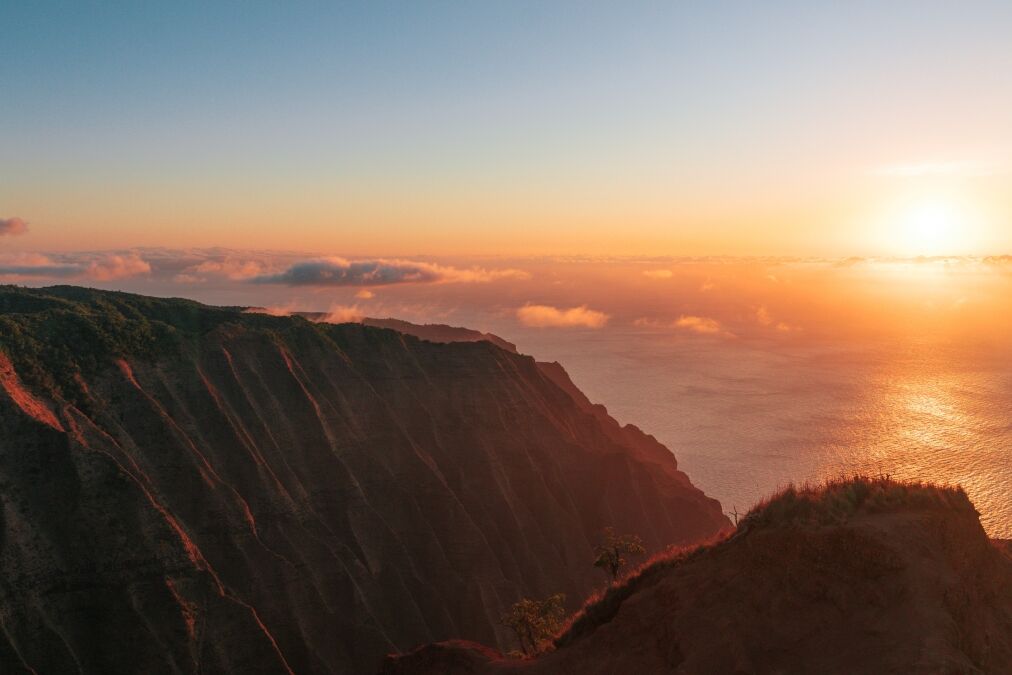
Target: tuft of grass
point(837, 500)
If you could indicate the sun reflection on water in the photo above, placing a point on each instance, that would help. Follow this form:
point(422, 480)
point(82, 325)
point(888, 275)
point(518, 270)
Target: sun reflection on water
point(933, 420)
point(890, 366)
point(746, 421)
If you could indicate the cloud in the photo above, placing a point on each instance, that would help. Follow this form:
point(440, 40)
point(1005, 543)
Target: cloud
point(699, 324)
point(235, 269)
point(658, 274)
point(344, 314)
point(688, 322)
point(35, 265)
point(365, 294)
point(919, 169)
point(117, 267)
point(336, 313)
point(12, 226)
point(95, 267)
point(707, 286)
point(381, 272)
point(849, 262)
point(546, 316)
point(765, 318)
point(270, 311)
point(646, 322)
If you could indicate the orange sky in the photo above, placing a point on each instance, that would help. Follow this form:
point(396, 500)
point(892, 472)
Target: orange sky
point(872, 214)
point(786, 129)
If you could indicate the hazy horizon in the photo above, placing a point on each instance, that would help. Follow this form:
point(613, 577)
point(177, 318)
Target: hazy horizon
point(755, 372)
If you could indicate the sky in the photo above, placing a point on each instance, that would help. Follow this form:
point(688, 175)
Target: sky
point(404, 130)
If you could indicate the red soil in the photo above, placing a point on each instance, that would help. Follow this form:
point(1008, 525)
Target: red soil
point(10, 383)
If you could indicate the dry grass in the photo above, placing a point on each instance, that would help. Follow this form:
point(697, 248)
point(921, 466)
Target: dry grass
point(837, 500)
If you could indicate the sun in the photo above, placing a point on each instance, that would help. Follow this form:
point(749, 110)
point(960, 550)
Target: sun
point(940, 219)
point(932, 226)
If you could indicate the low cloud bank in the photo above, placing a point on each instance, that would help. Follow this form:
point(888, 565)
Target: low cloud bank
point(344, 314)
point(699, 324)
point(117, 267)
point(336, 313)
point(964, 167)
point(12, 226)
point(193, 267)
point(765, 318)
point(546, 316)
point(233, 269)
point(94, 267)
point(702, 325)
point(380, 272)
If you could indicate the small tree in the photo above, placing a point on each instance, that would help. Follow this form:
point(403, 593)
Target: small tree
point(734, 514)
point(534, 621)
point(612, 552)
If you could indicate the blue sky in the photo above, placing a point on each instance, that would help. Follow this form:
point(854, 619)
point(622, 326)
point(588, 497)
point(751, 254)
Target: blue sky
point(461, 111)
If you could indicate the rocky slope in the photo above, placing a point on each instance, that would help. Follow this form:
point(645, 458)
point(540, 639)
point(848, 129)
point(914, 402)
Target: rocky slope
point(187, 488)
point(863, 576)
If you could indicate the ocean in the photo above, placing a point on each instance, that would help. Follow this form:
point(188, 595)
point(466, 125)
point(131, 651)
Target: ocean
point(745, 418)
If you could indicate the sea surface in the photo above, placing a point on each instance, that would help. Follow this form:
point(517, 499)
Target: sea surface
point(745, 418)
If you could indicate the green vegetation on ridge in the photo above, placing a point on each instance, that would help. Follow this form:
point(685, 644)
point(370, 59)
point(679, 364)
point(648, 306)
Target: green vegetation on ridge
point(53, 334)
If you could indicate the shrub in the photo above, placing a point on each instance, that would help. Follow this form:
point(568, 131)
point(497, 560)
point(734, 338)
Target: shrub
point(612, 552)
point(534, 622)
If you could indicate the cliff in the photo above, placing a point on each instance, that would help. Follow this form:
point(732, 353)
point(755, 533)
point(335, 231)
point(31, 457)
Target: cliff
point(187, 488)
point(433, 332)
point(438, 332)
point(860, 576)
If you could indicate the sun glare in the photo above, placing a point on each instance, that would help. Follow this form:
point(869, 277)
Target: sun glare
point(931, 226)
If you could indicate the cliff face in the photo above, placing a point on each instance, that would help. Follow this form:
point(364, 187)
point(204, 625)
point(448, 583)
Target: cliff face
point(864, 577)
point(189, 488)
